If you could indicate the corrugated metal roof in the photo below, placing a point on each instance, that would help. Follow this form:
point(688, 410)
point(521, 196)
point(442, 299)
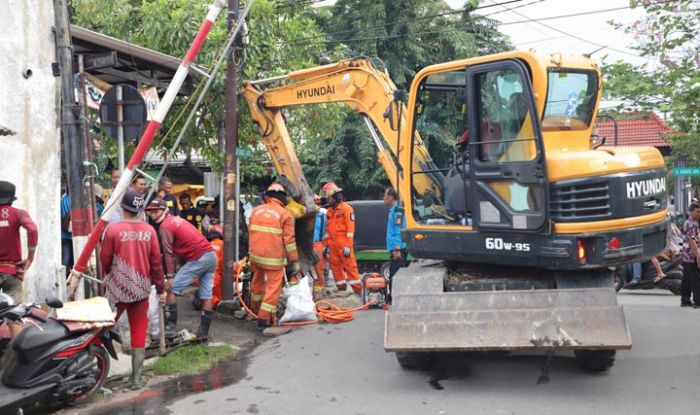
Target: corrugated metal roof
point(132, 58)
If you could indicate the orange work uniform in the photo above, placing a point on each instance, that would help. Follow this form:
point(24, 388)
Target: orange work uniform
point(341, 234)
point(218, 246)
point(272, 241)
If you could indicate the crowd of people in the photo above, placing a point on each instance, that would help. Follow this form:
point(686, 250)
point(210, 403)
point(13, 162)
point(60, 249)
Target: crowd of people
point(154, 249)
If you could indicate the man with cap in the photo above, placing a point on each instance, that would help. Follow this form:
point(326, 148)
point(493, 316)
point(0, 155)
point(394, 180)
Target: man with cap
point(341, 237)
point(271, 244)
point(131, 260)
point(12, 267)
point(183, 241)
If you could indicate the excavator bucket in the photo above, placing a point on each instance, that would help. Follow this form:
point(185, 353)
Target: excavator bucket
point(424, 318)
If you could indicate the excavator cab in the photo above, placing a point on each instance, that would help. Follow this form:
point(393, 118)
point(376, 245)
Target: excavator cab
point(491, 158)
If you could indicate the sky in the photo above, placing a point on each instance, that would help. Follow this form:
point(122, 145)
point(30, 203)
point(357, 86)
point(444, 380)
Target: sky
point(561, 34)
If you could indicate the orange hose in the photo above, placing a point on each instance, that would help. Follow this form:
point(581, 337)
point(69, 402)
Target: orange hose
point(327, 311)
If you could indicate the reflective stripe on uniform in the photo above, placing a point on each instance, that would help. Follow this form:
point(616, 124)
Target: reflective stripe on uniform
point(355, 282)
point(266, 229)
point(349, 234)
point(341, 282)
point(256, 297)
point(290, 247)
point(268, 261)
point(269, 308)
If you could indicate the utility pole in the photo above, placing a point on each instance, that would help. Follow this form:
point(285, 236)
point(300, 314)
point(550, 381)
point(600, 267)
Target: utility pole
point(71, 128)
point(230, 174)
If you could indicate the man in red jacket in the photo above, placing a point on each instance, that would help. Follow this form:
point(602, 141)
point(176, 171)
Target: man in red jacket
point(182, 241)
point(12, 268)
point(130, 256)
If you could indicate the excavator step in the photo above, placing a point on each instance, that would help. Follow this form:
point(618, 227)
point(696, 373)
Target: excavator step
point(579, 318)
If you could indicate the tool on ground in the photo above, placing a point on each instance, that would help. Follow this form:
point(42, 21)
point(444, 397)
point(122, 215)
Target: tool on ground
point(375, 290)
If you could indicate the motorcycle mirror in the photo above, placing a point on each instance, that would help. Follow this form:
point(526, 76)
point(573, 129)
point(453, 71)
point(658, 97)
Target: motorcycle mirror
point(54, 302)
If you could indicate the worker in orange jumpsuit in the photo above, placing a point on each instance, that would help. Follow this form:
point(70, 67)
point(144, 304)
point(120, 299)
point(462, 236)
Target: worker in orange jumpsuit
point(272, 242)
point(319, 247)
point(215, 236)
point(341, 234)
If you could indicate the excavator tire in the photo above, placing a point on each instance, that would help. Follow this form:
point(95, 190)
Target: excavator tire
point(414, 360)
point(595, 361)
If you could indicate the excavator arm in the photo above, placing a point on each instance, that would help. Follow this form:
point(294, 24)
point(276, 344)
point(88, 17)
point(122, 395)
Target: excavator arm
point(359, 85)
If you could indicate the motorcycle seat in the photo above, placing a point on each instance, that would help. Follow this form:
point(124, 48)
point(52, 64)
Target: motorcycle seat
point(33, 337)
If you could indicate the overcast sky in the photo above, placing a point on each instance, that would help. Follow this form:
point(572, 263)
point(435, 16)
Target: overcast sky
point(591, 27)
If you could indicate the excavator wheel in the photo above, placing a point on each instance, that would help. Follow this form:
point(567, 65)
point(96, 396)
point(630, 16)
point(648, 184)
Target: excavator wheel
point(595, 361)
point(414, 360)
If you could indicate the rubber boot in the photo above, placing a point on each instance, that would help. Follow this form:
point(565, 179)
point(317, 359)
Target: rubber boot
point(205, 323)
point(262, 324)
point(137, 356)
point(170, 313)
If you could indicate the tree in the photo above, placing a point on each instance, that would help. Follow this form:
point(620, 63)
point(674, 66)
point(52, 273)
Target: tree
point(169, 26)
point(669, 33)
point(407, 35)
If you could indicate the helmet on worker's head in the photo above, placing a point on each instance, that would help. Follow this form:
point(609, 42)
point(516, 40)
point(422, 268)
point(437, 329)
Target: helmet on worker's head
point(276, 191)
point(203, 200)
point(276, 187)
point(215, 232)
point(329, 189)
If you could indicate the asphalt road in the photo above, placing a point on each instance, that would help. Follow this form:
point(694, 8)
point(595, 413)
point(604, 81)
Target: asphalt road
point(343, 369)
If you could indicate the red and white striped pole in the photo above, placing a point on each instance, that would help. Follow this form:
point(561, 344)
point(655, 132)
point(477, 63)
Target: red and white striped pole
point(147, 137)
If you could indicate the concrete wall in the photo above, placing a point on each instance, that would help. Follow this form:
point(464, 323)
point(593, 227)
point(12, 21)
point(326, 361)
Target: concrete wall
point(30, 153)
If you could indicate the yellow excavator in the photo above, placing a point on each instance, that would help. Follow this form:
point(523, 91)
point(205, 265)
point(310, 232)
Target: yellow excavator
point(514, 214)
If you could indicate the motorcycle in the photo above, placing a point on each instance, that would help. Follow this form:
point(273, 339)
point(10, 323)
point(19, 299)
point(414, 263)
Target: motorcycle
point(52, 361)
point(673, 269)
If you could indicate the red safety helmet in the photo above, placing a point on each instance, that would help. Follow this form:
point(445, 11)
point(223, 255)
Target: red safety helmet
point(215, 232)
point(329, 189)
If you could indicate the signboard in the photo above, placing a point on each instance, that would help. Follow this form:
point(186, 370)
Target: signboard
point(244, 153)
point(686, 171)
point(127, 111)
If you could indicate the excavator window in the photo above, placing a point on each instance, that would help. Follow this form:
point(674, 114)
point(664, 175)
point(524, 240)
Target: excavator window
point(571, 99)
point(441, 123)
point(506, 131)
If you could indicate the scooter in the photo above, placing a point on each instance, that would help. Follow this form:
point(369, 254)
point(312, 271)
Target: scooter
point(51, 361)
point(672, 282)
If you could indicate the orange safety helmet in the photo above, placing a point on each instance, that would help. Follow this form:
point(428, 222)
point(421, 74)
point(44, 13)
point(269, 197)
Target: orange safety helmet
point(276, 187)
point(329, 189)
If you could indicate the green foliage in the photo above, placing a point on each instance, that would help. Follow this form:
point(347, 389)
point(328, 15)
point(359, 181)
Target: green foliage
point(332, 144)
point(192, 359)
point(668, 32)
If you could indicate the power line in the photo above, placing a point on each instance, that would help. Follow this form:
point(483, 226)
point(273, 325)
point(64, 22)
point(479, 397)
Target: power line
point(539, 21)
point(391, 23)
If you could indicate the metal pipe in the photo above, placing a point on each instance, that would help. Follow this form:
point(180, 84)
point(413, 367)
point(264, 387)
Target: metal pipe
point(268, 80)
point(120, 129)
point(373, 133)
point(614, 126)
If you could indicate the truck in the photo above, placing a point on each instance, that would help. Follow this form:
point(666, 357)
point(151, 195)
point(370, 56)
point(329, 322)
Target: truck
point(513, 216)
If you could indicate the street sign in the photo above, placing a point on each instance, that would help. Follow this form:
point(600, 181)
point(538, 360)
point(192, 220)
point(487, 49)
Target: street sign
point(686, 171)
point(244, 153)
point(126, 113)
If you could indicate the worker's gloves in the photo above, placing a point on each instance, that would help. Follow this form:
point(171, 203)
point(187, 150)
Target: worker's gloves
point(296, 268)
point(346, 252)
